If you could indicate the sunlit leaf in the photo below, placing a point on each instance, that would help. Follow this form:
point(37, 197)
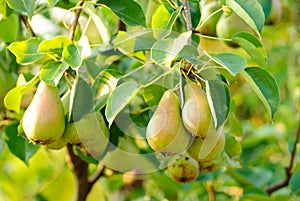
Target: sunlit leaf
point(27, 6)
point(52, 72)
point(232, 62)
point(265, 87)
point(54, 46)
point(219, 100)
point(52, 2)
point(128, 11)
point(26, 51)
point(119, 98)
point(72, 56)
point(252, 46)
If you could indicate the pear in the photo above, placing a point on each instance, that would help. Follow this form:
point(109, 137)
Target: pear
point(57, 144)
point(91, 131)
point(165, 132)
point(228, 25)
point(184, 169)
point(209, 148)
point(196, 115)
point(44, 120)
point(275, 13)
point(209, 21)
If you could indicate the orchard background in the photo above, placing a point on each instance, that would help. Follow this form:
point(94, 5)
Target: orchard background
point(117, 58)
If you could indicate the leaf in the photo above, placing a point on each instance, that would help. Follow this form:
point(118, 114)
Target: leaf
point(190, 53)
point(163, 52)
point(119, 98)
point(11, 26)
point(72, 56)
point(54, 46)
point(152, 94)
point(18, 145)
point(250, 11)
point(295, 183)
point(128, 11)
point(163, 21)
point(52, 2)
point(265, 87)
point(13, 98)
point(232, 62)
point(81, 99)
point(252, 46)
point(26, 51)
point(27, 6)
point(219, 100)
point(52, 72)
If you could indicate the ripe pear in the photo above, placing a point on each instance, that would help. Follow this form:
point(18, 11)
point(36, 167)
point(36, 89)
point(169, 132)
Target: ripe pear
point(229, 25)
point(209, 148)
point(91, 131)
point(44, 120)
point(165, 132)
point(208, 21)
point(275, 13)
point(184, 169)
point(196, 115)
point(57, 144)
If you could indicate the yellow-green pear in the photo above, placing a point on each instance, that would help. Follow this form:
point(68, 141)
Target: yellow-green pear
point(91, 131)
point(209, 148)
point(44, 121)
point(57, 144)
point(209, 18)
point(165, 132)
point(196, 115)
point(184, 169)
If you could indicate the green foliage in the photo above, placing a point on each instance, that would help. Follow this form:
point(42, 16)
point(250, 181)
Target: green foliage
point(124, 55)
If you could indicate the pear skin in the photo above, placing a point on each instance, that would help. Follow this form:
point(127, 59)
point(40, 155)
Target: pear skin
point(165, 132)
point(196, 115)
point(44, 121)
point(209, 21)
point(57, 144)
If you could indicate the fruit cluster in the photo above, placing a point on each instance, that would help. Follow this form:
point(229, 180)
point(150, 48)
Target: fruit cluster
point(188, 133)
point(225, 24)
point(44, 124)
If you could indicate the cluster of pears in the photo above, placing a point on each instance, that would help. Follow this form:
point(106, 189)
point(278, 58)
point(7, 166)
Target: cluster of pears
point(224, 23)
point(173, 131)
point(44, 123)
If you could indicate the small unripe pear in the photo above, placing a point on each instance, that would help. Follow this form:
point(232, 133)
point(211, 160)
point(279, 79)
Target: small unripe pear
point(57, 144)
point(71, 133)
point(209, 21)
point(209, 148)
point(196, 115)
point(184, 169)
point(165, 132)
point(44, 121)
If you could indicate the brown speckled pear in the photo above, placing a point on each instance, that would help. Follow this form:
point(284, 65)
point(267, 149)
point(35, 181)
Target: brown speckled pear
point(44, 121)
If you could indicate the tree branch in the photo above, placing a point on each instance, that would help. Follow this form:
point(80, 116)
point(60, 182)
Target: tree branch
point(27, 25)
point(75, 22)
point(289, 174)
point(187, 15)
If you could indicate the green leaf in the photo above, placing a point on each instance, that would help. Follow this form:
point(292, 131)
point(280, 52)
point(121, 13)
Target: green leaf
point(190, 53)
point(81, 99)
point(250, 11)
point(152, 94)
point(265, 87)
point(163, 21)
point(72, 56)
point(27, 6)
point(11, 25)
point(13, 98)
point(26, 51)
point(54, 46)
point(119, 98)
point(52, 2)
point(2, 142)
point(295, 183)
point(219, 100)
point(252, 46)
point(128, 11)
point(18, 145)
point(52, 72)
point(232, 62)
point(163, 52)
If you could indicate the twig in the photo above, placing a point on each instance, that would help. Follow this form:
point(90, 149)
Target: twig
point(27, 25)
point(75, 22)
point(210, 190)
point(187, 15)
point(289, 174)
point(97, 175)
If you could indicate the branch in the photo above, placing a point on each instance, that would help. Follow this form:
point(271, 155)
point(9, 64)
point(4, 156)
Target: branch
point(27, 25)
point(289, 174)
point(75, 22)
point(187, 15)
